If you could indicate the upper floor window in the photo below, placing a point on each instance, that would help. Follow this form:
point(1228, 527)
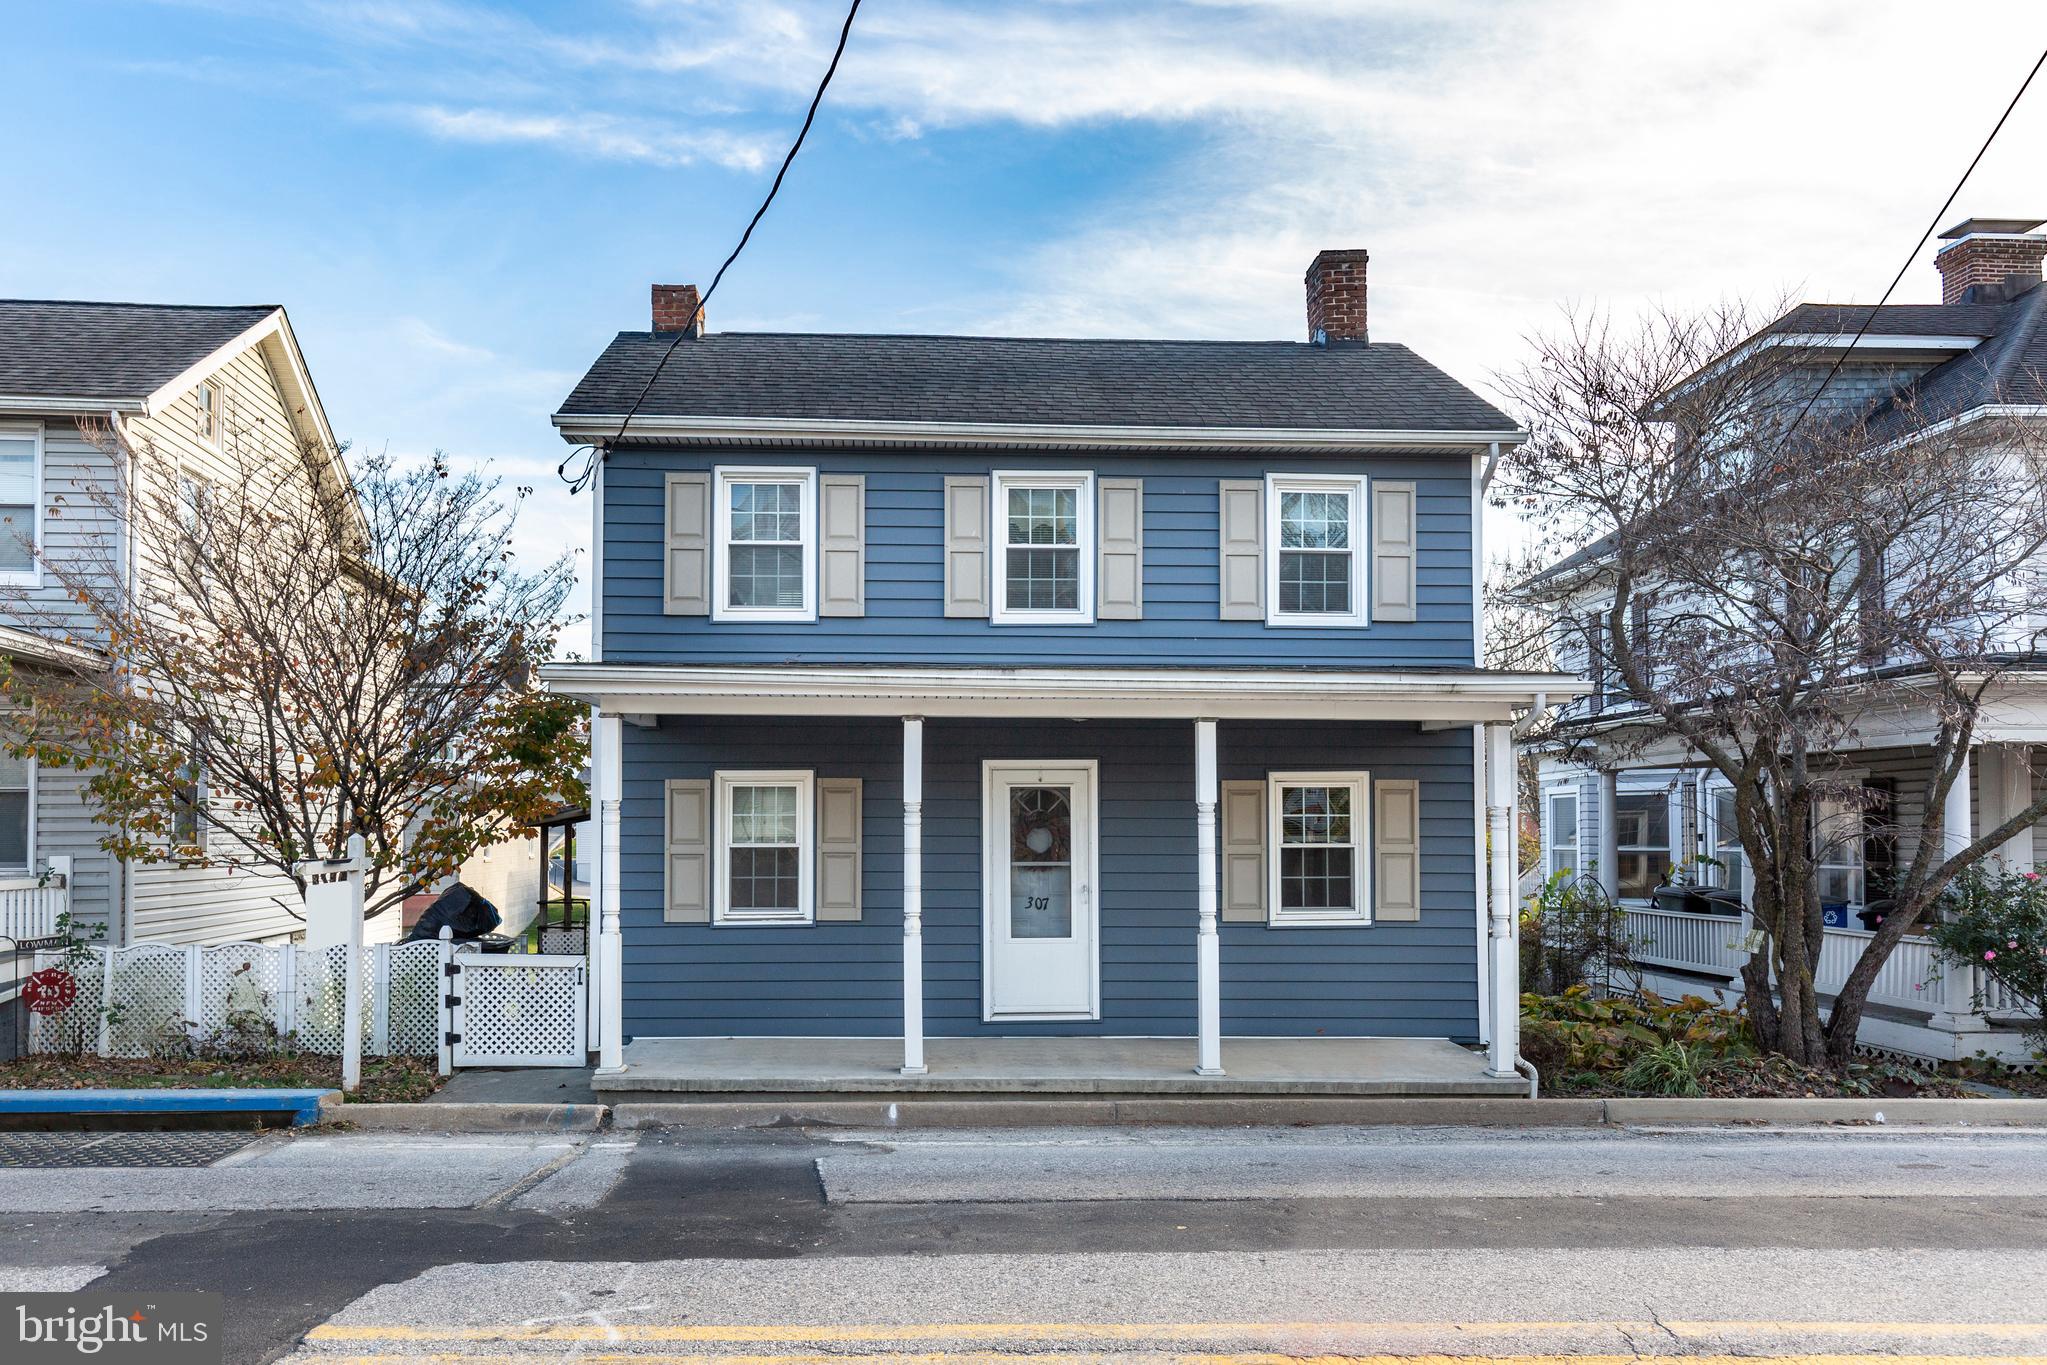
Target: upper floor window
point(1045, 565)
point(20, 459)
point(764, 551)
point(1315, 527)
point(206, 410)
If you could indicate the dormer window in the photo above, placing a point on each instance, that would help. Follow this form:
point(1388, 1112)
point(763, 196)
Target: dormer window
point(1044, 564)
point(764, 559)
point(206, 410)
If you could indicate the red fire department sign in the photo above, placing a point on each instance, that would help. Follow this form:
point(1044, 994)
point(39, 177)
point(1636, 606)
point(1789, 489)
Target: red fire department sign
point(50, 990)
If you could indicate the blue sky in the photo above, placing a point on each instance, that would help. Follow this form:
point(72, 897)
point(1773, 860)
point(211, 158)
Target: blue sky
point(459, 202)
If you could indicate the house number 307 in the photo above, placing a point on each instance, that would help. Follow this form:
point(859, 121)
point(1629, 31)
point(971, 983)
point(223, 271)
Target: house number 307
point(1037, 902)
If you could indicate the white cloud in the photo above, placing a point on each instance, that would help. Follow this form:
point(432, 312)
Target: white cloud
point(600, 135)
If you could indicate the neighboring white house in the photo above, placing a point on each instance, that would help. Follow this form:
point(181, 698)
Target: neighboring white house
point(199, 389)
point(1980, 353)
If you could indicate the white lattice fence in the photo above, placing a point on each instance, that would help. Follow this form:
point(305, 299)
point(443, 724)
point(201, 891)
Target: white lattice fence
point(77, 1027)
point(412, 991)
point(146, 1002)
point(520, 1010)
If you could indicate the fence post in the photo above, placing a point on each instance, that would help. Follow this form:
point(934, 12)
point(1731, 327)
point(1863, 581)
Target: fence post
point(195, 992)
point(380, 1000)
point(444, 991)
point(106, 1035)
point(287, 988)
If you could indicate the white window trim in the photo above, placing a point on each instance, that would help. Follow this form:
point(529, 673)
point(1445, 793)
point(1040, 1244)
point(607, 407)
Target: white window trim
point(1360, 562)
point(722, 913)
point(1360, 784)
point(32, 576)
point(722, 479)
point(210, 438)
point(1550, 793)
point(1000, 483)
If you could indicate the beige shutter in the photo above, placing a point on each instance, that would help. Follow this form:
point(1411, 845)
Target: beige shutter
point(966, 545)
point(842, 544)
point(838, 848)
point(1243, 840)
point(1242, 510)
point(686, 561)
point(1119, 562)
point(1397, 849)
point(688, 896)
point(1393, 589)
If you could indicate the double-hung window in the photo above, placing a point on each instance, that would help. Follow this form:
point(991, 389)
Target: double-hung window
point(1560, 833)
point(1837, 838)
point(1314, 571)
point(1318, 823)
point(1642, 842)
point(764, 553)
point(764, 842)
point(17, 811)
point(21, 449)
point(1045, 565)
point(206, 410)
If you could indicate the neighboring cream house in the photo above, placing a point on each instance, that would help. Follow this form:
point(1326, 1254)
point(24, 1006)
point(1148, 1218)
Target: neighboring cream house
point(203, 388)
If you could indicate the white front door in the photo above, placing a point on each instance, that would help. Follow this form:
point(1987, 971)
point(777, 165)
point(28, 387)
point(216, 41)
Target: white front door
point(1039, 896)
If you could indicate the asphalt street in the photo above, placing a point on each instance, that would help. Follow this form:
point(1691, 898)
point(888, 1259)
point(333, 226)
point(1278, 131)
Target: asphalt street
point(788, 1245)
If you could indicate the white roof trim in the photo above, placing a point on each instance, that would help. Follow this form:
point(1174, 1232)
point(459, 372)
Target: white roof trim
point(1055, 693)
point(274, 325)
point(598, 426)
point(20, 643)
point(44, 404)
point(1841, 341)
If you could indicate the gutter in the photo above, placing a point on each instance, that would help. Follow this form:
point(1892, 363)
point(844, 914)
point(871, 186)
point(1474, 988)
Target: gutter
point(590, 427)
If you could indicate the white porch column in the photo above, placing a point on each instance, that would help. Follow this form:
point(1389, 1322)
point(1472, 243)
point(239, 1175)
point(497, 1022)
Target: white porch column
point(1208, 955)
point(1609, 832)
point(606, 753)
point(913, 895)
point(1956, 823)
point(1505, 1046)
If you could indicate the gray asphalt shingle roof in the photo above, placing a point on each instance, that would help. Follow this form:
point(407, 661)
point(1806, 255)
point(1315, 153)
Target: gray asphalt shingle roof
point(62, 349)
point(1348, 386)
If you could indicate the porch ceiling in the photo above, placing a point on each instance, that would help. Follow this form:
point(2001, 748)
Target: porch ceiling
point(1459, 696)
point(1050, 1066)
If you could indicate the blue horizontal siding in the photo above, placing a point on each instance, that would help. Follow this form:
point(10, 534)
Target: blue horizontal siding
point(905, 620)
point(846, 979)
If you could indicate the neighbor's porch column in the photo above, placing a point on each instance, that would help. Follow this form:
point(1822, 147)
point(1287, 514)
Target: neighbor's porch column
point(1957, 826)
point(913, 895)
point(1208, 956)
point(606, 752)
point(1505, 1047)
point(1609, 833)
point(2007, 790)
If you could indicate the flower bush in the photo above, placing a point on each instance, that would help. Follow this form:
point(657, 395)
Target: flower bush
point(1996, 919)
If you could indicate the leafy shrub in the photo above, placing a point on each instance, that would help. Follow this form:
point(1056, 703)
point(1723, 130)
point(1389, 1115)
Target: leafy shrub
point(1996, 920)
point(1574, 934)
point(1578, 1032)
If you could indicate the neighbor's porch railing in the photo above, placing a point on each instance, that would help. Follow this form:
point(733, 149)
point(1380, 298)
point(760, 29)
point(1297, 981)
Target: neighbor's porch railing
point(29, 905)
point(1913, 977)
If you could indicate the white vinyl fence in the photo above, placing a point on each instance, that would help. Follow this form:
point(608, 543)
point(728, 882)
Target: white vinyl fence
point(167, 995)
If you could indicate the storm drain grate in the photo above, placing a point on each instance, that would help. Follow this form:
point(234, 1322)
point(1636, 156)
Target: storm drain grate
point(48, 1150)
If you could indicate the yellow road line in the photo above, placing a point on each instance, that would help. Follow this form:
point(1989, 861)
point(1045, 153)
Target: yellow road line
point(1130, 1331)
point(1198, 1358)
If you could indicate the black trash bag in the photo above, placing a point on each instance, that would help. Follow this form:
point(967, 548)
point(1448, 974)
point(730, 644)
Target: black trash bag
point(460, 908)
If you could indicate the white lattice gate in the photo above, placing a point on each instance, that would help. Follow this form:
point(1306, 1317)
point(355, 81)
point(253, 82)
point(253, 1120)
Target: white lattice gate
point(519, 1009)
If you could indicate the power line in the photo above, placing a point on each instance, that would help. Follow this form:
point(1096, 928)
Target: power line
point(595, 453)
point(1913, 255)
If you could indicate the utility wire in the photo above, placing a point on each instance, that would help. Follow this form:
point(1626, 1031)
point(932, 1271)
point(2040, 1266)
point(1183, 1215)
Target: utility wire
point(595, 453)
point(1913, 255)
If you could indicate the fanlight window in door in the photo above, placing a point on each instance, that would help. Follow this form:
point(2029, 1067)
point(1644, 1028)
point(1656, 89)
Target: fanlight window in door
point(1040, 862)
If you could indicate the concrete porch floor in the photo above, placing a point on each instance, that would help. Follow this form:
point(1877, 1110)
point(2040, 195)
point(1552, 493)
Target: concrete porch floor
point(1057, 1066)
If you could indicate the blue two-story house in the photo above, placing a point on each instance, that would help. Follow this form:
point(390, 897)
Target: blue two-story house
point(958, 692)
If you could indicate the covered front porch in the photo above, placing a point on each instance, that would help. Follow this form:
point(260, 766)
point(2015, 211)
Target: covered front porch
point(1055, 1066)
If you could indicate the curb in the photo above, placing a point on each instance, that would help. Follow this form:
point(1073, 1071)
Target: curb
point(1089, 1113)
point(467, 1118)
point(1976, 1113)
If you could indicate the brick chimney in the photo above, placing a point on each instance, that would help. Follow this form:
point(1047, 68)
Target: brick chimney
point(677, 309)
point(1336, 296)
point(1983, 255)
